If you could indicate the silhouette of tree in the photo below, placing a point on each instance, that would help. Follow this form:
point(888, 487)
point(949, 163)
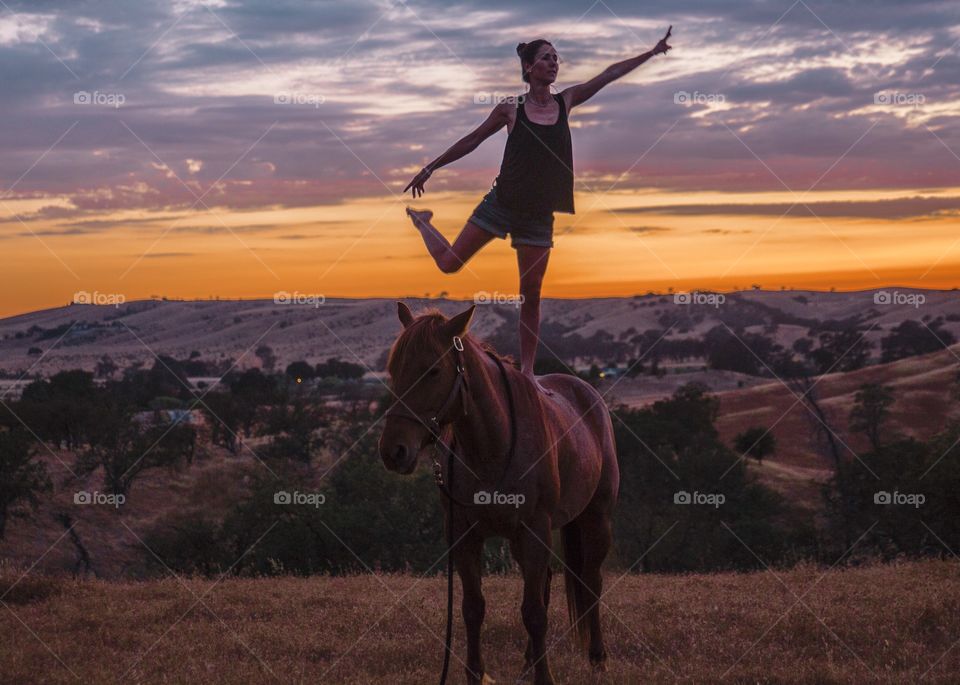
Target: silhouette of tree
point(267, 358)
point(755, 442)
point(871, 410)
point(911, 338)
point(22, 478)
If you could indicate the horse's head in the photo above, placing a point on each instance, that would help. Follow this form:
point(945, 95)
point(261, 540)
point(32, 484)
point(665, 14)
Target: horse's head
point(426, 384)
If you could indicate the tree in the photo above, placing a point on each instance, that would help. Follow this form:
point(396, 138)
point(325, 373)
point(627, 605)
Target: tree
point(336, 368)
point(251, 389)
point(670, 451)
point(648, 348)
point(750, 353)
point(106, 367)
point(871, 410)
point(59, 409)
point(268, 359)
point(755, 442)
point(841, 350)
point(125, 445)
point(803, 346)
point(167, 378)
point(300, 369)
point(22, 478)
point(911, 338)
point(293, 426)
point(225, 414)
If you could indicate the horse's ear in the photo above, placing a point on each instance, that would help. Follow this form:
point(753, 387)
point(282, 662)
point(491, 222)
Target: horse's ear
point(458, 325)
point(406, 316)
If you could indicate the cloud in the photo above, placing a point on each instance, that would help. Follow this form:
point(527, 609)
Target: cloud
point(895, 209)
point(199, 81)
point(164, 255)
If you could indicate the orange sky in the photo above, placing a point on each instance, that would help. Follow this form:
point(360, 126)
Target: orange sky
point(368, 248)
point(299, 127)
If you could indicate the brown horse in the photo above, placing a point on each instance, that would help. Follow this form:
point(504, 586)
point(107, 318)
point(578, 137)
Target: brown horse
point(526, 464)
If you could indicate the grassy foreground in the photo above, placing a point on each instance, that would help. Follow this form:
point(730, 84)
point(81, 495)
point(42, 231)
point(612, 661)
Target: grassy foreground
point(884, 623)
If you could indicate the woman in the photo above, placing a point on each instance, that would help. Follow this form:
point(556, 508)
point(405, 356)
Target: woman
point(535, 179)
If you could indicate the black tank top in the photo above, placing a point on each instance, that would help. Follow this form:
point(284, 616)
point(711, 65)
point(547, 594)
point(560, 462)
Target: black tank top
point(536, 175)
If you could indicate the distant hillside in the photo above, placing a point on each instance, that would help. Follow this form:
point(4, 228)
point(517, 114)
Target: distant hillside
point(75, 336)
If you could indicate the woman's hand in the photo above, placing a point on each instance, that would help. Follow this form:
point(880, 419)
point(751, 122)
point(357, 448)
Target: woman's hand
point(418, 181)
point(662, 46)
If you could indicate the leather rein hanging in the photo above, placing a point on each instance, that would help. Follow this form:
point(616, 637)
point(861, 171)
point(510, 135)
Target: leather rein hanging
point(435, 421)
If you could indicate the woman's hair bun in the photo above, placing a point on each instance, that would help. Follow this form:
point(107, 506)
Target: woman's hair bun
point(520, 48)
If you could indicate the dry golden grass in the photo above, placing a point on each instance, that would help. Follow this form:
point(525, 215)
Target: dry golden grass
point(883, 623)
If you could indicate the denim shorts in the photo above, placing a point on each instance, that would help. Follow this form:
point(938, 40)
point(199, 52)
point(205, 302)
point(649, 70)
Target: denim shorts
point(524, 228)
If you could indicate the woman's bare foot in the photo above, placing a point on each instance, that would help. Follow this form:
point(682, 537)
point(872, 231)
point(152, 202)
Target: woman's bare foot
point(420, 217)
point(540, 386)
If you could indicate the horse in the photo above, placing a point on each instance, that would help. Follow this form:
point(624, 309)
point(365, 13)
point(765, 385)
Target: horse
point(527, 463)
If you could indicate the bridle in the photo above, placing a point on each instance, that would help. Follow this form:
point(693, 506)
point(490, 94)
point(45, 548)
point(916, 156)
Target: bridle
point(432, 421)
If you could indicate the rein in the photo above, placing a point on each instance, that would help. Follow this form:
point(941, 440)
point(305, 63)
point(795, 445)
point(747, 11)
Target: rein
point(434, 424)
point(452, 455)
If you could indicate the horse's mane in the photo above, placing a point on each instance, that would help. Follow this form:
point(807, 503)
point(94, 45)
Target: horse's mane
point(425, 334)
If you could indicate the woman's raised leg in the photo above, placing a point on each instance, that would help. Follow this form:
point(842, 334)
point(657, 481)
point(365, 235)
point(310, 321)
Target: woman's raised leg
point(449, 258)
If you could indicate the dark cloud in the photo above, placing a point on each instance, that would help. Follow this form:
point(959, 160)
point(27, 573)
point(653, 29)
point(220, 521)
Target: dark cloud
point(905, 208)
point(650, 229)
point(164, 255)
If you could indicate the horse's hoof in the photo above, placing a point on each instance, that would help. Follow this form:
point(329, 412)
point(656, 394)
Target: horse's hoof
point(599, 666)
point(485, 679)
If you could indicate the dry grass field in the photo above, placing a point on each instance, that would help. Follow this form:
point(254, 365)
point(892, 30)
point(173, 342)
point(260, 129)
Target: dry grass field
point(895, 623)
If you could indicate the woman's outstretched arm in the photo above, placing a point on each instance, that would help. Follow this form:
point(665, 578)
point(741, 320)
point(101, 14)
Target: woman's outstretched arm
point(582, 92)
point(498, 119)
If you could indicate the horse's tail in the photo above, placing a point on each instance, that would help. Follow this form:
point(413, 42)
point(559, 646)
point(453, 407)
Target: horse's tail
point(577, 593)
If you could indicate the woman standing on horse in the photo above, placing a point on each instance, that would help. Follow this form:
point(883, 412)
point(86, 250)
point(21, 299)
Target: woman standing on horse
point(535, 179)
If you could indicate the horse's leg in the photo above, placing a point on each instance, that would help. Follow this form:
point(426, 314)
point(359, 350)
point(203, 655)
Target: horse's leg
point(467, 557)
point(528, 655)
point(595, 535)
point(531, 548)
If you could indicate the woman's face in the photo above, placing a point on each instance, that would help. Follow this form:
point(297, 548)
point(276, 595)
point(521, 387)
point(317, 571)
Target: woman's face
point(546, 65)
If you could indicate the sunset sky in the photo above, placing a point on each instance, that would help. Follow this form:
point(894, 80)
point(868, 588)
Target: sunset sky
point(241, 148)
